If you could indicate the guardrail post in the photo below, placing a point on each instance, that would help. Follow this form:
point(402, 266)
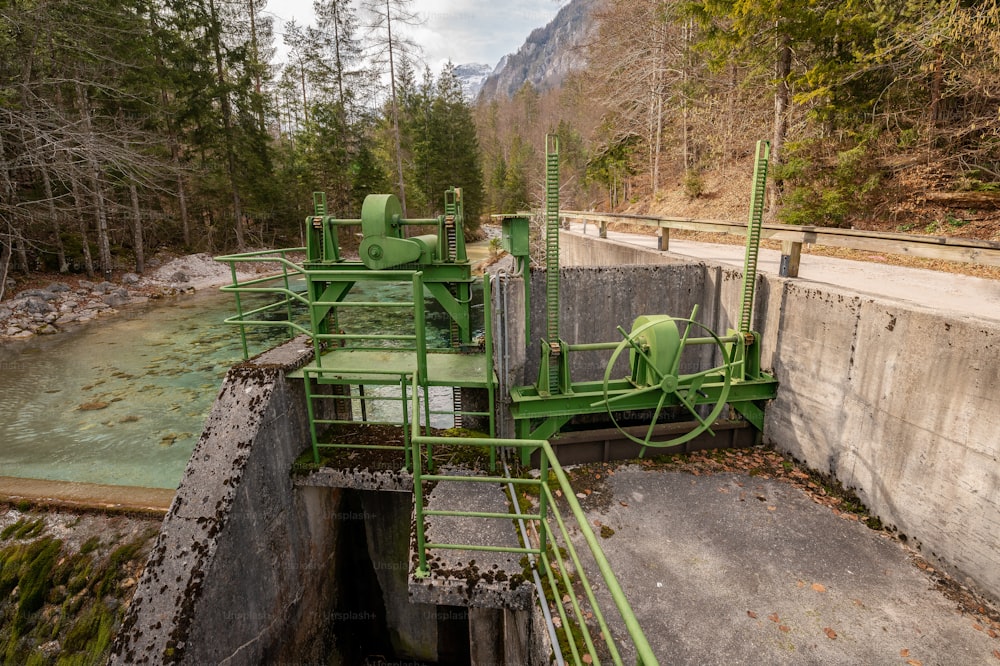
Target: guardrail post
point(663, 242)
point(791, 256)
point(603, 233)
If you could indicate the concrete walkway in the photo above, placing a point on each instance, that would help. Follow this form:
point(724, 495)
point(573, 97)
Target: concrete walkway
point(728, 568)
point(960, 294)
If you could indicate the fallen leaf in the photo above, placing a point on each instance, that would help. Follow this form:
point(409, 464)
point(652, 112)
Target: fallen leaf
point(772, 508)
point(996, 653)
point(566, 599)
point(773, 617)
point(587, 659)
point(597, 476)
point(581, 496)
point(830, 633)
point(904, 653)
point(558, 493)
point(752, 614)
point(623, 503)
point(800, 584)
point(587, 490)
point(597, 523)
point(914, 662)
point(819, 587)
point(784, 628)
point(992, 634)
point(977, 626)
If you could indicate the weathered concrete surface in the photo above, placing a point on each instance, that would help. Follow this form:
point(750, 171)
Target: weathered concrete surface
point(897, 401)
point(241, 555)
point(946, 292)
point(475, 579)
point(78, 495)
point(735, 569)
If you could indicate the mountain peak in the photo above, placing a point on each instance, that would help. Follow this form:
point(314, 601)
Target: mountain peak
point(547, 56)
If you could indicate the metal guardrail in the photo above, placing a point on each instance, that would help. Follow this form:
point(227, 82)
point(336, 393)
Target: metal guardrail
point(558, 569)
point(965, 250)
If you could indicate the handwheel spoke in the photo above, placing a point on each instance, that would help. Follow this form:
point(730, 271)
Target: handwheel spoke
point(721, 370)
point(707, 426)
point(656, 415)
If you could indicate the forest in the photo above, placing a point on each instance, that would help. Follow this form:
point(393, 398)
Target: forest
point(132, 126)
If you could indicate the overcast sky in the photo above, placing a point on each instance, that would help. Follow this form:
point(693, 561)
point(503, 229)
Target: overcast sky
point(463, 31)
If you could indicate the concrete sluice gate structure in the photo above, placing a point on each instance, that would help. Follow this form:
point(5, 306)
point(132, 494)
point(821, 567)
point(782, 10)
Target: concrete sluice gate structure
point(256, 563)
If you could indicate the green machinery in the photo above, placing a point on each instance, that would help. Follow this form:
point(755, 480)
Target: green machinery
point(319, 296)
point(661, 350)
point(659, 347)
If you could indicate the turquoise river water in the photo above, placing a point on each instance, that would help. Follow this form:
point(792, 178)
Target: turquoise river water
point(122, 400)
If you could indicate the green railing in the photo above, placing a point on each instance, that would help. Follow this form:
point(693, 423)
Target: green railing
point(558, 569)
point(289, 297)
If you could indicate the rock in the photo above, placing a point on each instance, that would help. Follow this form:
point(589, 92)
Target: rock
point(87, 284)
point(93, 406)
point(50, 649)
point(5, 314)
point(179, 276)
point(46, 329)
point(37, 306)
point(116, 299)
point(10, 284)
point(18, 334)
point(57, 287)
point(37, 293)
point(130, 279)
point(67, 318)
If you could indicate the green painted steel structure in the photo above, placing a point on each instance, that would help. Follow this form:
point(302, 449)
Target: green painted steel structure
point(312, 291)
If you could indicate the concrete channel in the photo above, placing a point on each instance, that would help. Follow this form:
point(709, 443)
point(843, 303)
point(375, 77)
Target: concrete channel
point(258, 565)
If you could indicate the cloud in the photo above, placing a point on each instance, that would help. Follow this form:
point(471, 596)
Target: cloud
point(463, 31)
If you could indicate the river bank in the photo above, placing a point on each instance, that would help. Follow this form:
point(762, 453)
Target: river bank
point(66, 578)
point(66, 301)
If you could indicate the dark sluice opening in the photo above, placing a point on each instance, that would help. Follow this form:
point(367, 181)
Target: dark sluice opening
point(359, 627)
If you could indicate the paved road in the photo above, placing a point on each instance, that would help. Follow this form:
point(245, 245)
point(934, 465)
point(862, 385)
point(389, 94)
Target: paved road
point(959, 294)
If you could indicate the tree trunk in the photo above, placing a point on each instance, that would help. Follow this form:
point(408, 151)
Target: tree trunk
point(96, 187)
point(227, 124)
point(88, 260)
point(4, 264)
point(137, 247)
point(782, 70)
point(54, 219)
point(395, 111)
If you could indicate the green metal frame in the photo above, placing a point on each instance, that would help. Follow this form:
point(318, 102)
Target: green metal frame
point(552, 543)
point(542, 410)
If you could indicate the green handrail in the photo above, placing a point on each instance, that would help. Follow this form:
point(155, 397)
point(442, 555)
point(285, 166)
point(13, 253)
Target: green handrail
point(546, 504)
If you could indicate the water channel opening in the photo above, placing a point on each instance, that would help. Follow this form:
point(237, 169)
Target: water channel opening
point(360, 628)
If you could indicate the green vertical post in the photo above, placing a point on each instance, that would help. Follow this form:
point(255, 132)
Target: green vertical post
point(754, 222)
point(488, 349)
point(552, 237)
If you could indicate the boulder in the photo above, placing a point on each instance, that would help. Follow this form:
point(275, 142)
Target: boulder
point(34, 305)
point(46, 329)
point(179, 276)
point(37, 293)
point(116, 299)
point(131, 279)
point(57, 287)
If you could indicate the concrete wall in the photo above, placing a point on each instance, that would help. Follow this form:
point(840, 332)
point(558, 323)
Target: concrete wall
point(898, 402)
point(241, 556)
